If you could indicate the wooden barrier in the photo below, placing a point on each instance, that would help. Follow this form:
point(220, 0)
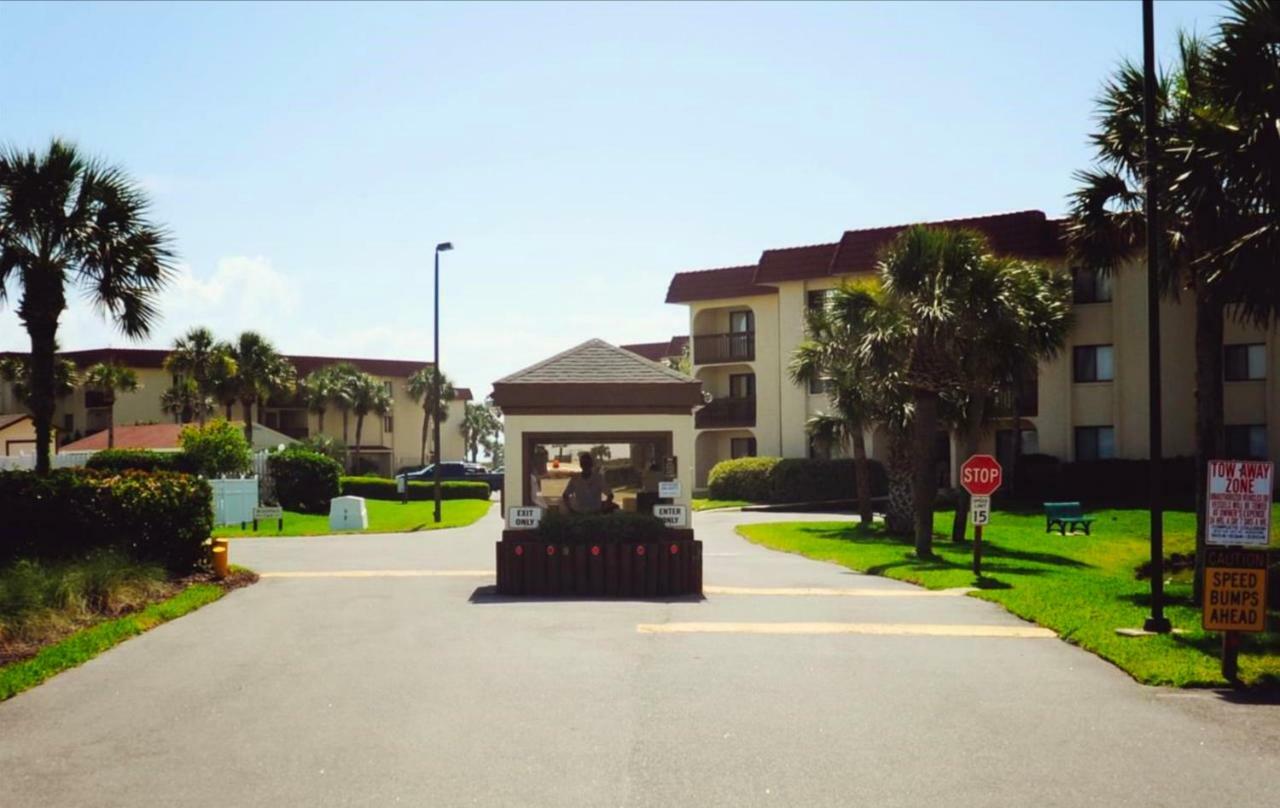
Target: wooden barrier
point(666, 568)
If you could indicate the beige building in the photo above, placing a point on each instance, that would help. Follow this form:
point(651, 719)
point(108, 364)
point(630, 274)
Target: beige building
point(390, 442)
point(1090, 402)
point(17, 433)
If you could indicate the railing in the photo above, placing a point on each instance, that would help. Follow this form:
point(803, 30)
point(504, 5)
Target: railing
point(1028, 401)
point(735, 346)
point(727, 412)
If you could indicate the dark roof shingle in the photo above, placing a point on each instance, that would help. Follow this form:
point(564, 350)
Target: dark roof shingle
point(711, 284)
point(795, 263)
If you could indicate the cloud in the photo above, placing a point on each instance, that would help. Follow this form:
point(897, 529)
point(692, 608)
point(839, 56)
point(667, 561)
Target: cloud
point(243, 292)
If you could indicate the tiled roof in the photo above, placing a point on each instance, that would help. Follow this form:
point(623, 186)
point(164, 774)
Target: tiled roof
point(795, 263)
point(1025, 234)
point(144, 436)
point(154, 358)
point(657, 351)
point(594, 362)
point(8, 419)
point(710, 284)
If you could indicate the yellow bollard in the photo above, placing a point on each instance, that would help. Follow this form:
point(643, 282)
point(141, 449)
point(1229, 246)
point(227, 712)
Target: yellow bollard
point(221, 564)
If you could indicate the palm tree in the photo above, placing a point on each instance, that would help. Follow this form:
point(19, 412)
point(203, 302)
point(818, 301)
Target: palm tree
point(224, 385)
point(479, 422)
point(318, 392)
point(833, 351)
point(184, 401)
point(200, 356)
point(368, 396)
point(16, 370)
point(1018, 315)
point(344, 376)
point(427, 386)
point(68, 220)
point(1216, 174)
point(261, 372)
point(109, 378)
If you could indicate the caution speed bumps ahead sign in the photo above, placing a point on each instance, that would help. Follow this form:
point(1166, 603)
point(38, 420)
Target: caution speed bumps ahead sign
point(1235, 589)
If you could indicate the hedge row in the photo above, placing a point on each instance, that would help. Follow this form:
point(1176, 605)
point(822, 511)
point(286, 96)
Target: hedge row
point(304, 480)
point(118, 460)
point(161, 517)
point(382, 488)
point(1044, 478)
point(774, 479)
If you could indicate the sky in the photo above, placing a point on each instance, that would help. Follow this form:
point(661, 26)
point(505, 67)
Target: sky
point(307, 158)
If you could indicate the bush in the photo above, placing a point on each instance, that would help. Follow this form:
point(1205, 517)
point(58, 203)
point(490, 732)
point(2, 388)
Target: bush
point(325, 445)
point(382, 488)
point(160, 517)
point(118, 460)
point(616, 527)
point(746, 478)
point(305, 480)
point(216, 450)
point(773, 479)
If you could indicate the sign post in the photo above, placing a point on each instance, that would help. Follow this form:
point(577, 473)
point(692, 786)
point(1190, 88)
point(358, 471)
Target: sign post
point(981, 476)
point(1238, 516)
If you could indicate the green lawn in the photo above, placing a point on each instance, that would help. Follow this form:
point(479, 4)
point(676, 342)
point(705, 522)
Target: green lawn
point(710, 504)
point(1083, 587)
point(385, 516)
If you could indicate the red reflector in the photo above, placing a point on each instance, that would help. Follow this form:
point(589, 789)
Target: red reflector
point(519, 551)
point(551, 551)
point(640, 550)
point(595, 551)
point(674, 550)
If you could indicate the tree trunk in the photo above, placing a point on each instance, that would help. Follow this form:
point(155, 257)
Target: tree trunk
point(972, 435)
point(923, 486)
point(43, 333)
point(246, 406)
point(426, 430)
point(355, 462)
point(228, 405)
point(1016, 455)
point(200, 411)
point(1209, 446)
point(111, 425)
point(344, 427)
point(320, 422)
point(898, 514)
point(862, 478)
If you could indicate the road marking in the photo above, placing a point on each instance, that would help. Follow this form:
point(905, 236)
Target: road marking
point(380, 574)
point(879, 629)
point(812, 591)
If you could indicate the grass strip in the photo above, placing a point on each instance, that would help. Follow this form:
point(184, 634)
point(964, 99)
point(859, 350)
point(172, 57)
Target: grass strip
point(1082, 587)
point(88, 643)
point(385, 516)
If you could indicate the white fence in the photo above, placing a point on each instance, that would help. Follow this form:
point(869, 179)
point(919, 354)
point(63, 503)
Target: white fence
point(27, 462)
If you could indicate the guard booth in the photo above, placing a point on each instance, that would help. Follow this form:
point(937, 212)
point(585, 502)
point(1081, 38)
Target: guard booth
point(637, 416)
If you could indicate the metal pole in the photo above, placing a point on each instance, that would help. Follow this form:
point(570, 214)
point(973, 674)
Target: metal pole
point(1157, 622)
point(435, 394)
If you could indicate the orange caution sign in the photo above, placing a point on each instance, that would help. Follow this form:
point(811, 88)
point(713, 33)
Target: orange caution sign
point(1235, 590)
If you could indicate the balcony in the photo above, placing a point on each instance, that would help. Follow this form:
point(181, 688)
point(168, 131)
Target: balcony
point(1028, 401)
point(724, 413)
point(735, 346)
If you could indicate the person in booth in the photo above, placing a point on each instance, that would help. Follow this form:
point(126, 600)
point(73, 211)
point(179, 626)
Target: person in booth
point(588, 492)
point(536, 477)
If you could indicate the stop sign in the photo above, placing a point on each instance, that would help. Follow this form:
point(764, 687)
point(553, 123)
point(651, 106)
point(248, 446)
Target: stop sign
point(981, 475)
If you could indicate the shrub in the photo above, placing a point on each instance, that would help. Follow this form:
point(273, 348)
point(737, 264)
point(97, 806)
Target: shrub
point(745, 478)
point(772, 479)
point(216, 450)
point(117, 460)
point(382, 488)
point(305, 480)
point(330, 447)
point(161, 517)
point(616, 527)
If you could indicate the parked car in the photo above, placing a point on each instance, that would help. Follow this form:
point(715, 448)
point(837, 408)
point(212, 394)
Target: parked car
point(457, 470)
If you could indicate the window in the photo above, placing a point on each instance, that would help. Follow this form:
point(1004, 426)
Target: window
point(741, 322)
point(68, 423)
point(819, 386)
point(1004, 443)
point(819, 299)
point(742, 447)
point(390, 390)
point(96, 398)
point(1088, 286)
point(1244, 362)
point(1093, 363)
point(1095, 442)
point(388, 423)
point(1247, 442)
point(742, 385)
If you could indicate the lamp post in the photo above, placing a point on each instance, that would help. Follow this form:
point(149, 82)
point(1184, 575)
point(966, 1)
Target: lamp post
point(443, 246)
point(1157, 622)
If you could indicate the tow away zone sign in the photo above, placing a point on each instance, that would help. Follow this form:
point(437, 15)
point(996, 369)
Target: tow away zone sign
point(1235, 590)
point(1239, 506)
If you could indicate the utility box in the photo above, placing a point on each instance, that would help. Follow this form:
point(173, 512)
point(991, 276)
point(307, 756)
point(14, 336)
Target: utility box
point(348, 513)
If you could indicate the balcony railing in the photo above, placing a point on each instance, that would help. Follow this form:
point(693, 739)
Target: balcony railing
point(736, 346)
point(727, 412)
point(1028, 401)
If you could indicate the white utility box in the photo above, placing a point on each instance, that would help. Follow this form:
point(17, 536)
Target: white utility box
point(348, 513)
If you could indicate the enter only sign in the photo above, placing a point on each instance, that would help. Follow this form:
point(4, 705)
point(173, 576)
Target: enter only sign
point(1235, 592)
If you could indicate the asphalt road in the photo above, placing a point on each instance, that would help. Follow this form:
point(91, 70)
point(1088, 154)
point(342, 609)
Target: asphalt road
point(426, 690)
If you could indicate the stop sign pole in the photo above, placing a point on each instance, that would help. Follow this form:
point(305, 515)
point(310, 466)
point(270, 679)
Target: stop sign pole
point(981, 476)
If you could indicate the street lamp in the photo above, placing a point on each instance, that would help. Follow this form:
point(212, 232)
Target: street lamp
point(436, 386)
